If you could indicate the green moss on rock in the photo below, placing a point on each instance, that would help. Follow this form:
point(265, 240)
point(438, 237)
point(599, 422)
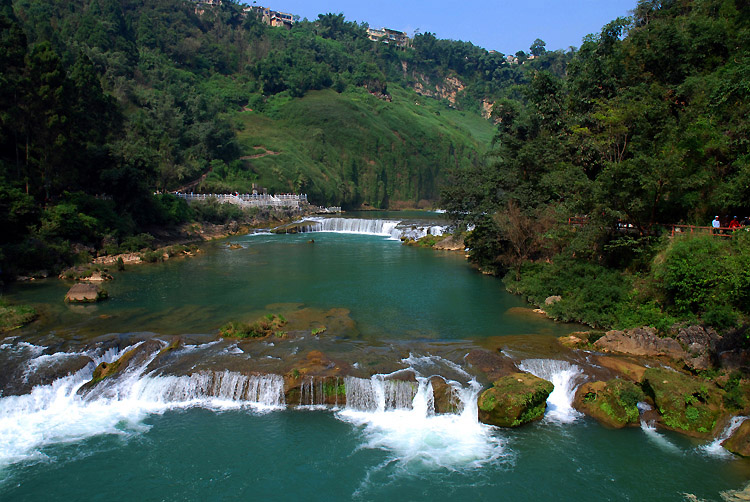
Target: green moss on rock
point(687, 404)
point(514, 400)
point(613, 403)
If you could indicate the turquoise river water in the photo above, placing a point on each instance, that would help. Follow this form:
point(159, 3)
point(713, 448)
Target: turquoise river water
point(160, 435)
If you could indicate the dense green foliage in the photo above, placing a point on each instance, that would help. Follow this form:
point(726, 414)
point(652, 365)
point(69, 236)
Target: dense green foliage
point(648, 127)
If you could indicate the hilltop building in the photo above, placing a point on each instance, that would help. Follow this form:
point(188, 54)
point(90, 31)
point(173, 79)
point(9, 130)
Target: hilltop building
point(271, 17)
point(268, 16)
point(388, 36)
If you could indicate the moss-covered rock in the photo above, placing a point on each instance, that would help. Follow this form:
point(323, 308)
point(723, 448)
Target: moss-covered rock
point(613, 403)
point(514, 400)
point(138, 356)
point(687, 404)
point(739, 442)
point(266, 326)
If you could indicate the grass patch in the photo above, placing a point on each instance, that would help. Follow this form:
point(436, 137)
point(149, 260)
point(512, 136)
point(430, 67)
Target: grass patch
point(15, 316)
point(352, 148)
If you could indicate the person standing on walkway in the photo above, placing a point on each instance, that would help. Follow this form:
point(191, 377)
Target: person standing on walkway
point(716, 224)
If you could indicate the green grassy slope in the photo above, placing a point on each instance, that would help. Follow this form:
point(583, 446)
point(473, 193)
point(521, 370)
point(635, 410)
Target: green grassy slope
point(355, 149)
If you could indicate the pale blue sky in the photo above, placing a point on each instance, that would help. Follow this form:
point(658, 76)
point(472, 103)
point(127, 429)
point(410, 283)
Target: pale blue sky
point(503, 25)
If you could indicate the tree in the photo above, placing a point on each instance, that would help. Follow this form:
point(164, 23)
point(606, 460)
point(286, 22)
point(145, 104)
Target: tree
point(537, 48)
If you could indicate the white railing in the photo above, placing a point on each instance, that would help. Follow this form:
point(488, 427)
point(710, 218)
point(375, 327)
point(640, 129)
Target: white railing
point(294, 201)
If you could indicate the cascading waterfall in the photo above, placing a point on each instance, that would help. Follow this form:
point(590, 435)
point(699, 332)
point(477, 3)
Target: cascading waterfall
point(714, 448)
point(399, 416)
point(396, 415)
point(212, 388)
point(649, 428)
point(378, 394)
point(58, 413)
point(394, 229)
point(565, 377)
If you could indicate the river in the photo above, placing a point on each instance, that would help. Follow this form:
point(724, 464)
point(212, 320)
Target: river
point(198, 427)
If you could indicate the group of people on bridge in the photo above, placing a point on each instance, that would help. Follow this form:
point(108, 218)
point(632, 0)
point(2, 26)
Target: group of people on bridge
point(728, 225)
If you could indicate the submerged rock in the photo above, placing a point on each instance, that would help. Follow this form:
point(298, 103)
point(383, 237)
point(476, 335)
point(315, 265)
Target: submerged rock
point(739, 442)
point(613, 403)
point(688, 405)
point(139, 356)
point(85, 293)
point(640, 342)
point(514, 400)
point(492, 364)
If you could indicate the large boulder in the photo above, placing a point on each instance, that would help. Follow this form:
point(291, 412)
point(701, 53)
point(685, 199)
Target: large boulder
point(613, 403)
point(700, 344)
point(514, 400)
point(444, 398)
point(687, 404)
point(640, 342)
point(451, 243)
point(739, 442)
point(622, 366)
point(85, 293)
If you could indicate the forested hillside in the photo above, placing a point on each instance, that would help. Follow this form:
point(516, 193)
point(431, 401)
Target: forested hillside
point(648, 128)
point(103, 102)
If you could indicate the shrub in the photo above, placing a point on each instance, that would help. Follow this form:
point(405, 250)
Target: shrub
point(708, 277)
point(137, 242)
point(172, 210)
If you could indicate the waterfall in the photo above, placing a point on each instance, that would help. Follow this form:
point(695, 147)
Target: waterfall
point(378, 394)
point(394, 229)
point(212, 388)
point(352, 226)
point(57, 412)
point(714, 448)
point(399, 416)
point(564, 376)
point(649, 428)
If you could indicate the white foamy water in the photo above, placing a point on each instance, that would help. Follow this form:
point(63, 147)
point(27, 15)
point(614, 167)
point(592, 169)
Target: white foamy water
point(566, 378)
point(400, 417)
point(396, 415)
point(393, 229)
point(657, 438)
point(57, 413)
point(714, 448)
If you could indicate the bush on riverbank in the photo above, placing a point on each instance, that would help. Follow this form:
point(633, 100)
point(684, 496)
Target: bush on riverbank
point(707, 277)
point(692, 279)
